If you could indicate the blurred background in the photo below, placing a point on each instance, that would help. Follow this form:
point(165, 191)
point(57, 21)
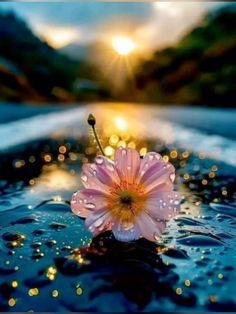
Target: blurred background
point(158, 76)
point(160, 52)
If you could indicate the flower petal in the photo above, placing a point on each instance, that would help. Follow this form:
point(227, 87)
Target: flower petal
point(90, 179)
point(86, 201)
point(106, 170)
point(127, 161)
point(149, 228)
point(163, 205)
point(158, 174)
point(77, 205)
point(98, 221)
point(126, 231)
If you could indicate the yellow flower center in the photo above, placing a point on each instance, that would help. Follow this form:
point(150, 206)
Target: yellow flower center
point(126, 201)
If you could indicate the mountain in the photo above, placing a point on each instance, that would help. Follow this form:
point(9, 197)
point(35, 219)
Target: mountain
point(76, 51)
point(49, 74)
point(200, 69)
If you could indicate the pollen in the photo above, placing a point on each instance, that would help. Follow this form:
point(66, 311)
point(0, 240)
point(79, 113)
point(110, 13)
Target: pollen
point(126, 201)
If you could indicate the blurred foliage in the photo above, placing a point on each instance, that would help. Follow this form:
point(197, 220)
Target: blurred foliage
point(200, 69)
point(32, 70)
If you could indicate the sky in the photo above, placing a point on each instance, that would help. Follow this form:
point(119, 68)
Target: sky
point(150, 25)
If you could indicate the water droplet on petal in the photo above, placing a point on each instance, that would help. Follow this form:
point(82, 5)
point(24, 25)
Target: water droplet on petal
point(90, 205)
point(151, 157)
point(172, 177)
point(84, 178)
point(176, 202)
point(156, 237)
point(98, 222)
point(80, 201)
point(99, 160)
point(127, 226)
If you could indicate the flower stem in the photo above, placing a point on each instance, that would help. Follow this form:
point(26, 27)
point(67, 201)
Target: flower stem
point(97, 140)
point(92, 122)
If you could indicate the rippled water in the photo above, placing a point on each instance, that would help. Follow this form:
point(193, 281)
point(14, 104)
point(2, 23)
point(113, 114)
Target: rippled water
point(50, 263)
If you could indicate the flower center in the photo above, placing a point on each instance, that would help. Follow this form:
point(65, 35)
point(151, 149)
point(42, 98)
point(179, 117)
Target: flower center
point(126, 197)
point(126, 201)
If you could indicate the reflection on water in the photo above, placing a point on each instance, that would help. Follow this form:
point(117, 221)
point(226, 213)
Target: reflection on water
point(49, 261)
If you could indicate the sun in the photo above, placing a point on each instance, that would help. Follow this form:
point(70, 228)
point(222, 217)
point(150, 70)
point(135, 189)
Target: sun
point(123, 45)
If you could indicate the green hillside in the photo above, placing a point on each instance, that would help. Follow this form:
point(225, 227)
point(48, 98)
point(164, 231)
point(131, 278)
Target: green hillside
point(200, 69)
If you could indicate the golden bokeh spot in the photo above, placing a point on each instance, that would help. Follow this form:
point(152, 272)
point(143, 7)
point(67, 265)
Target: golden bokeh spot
point(12, 302)
point(165, 158)
point(143, 151)
point(79, 290)
point(178, 291)
point(51, 273)
point(187, 282)
point(62, 149)
point(14, 284)
point(109, 151)
point(173, 154)
point(114, 139)
point(55, 293)
point(33, 292)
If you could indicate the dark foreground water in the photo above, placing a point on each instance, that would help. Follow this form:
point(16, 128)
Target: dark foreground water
point(50, 263)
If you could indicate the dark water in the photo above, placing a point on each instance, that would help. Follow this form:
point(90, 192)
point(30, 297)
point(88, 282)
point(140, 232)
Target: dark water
point(50, 263)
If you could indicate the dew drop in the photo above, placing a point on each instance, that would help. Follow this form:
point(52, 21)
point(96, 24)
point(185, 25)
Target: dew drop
point(99, 160)
point(80, 201)
point(90, 205)
point(156, 237)
point(151, 157)
point(84, 178)
point(176, 202)
point(127, 226)
point(98, 222)
point(172, 177)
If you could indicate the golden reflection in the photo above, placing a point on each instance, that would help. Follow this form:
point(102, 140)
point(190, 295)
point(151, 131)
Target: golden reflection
point(54, 178)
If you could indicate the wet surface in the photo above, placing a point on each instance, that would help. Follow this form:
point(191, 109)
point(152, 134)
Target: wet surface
point(50, 263)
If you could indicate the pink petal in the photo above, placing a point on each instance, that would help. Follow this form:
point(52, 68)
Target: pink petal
point(149, 228)
point(147, 161)
point(86, 201)
point(90, 180)
point(99, 221)
point(158, 174)
point(127, 161)
point(125, 232)
point(163, 205)
point(106, 170)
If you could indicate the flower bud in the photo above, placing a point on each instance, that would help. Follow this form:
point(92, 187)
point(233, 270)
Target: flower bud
point(91, 120)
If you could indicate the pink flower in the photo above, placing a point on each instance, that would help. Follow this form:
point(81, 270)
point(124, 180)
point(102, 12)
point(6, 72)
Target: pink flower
point(131, 196)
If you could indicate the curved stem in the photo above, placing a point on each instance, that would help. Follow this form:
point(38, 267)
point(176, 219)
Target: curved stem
point(97, 140)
